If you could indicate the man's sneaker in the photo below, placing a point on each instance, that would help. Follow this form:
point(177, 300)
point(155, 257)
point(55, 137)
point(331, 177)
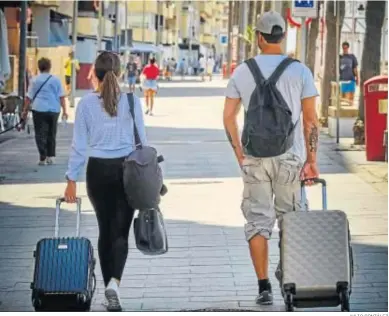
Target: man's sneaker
point(50, 160)
point(112, 296)
point(265, 298)
point(41, 162)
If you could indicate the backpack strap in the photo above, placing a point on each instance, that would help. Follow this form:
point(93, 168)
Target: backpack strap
point(255, 71)
point(280, 69)
point(131, 103)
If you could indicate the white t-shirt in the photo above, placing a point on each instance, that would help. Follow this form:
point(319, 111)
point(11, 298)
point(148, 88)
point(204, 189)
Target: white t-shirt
point(202, 62)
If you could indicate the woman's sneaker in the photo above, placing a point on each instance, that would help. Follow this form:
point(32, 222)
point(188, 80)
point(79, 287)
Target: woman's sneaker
point(50, 160)
point(112, 297)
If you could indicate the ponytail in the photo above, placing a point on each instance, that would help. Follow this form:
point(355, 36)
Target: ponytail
point(110, 93)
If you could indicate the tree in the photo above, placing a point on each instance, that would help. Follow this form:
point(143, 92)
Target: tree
point(371, 55)
point(250, 26)
point(258, 8)
point(330, 54)
point(312, 40)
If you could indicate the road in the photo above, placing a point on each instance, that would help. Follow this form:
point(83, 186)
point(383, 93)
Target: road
point(208, 264)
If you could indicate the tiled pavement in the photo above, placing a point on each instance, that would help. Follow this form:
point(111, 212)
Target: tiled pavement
point(208, 264)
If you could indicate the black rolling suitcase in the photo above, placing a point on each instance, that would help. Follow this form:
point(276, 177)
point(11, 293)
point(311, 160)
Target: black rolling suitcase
point(64, 278)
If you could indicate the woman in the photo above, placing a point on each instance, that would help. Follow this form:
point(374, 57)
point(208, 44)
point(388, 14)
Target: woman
point(46, 96)
point(104, 126)
point(150, 88)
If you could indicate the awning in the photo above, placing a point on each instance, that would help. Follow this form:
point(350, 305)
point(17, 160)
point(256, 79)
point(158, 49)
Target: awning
point(142, 48)
point(58, 17)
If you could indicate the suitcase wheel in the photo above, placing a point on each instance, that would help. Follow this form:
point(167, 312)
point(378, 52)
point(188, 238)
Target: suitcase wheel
point(289, 302)
point(345, 301)
point(37, 303)
point(81, 298)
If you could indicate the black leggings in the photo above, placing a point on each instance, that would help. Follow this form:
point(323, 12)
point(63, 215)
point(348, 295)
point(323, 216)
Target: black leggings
point(45, 125)
point(104, 180)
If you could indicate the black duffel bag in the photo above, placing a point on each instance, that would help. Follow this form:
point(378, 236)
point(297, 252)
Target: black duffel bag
point(143, 185)
point(150, 233)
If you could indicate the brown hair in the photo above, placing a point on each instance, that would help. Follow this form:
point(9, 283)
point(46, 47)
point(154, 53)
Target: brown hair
point(107, 70)
point(44, 64)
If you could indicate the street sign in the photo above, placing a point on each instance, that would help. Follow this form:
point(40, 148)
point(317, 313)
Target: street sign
point(223, 38)
point(305, 9)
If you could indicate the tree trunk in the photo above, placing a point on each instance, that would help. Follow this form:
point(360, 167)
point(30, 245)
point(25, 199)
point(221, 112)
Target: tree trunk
point(311, 48)
point(312, 40)
point(254, 44)
point(251, 23)
point(267, 5)
point(285, 6)
point(371, 55)
point(330, 55)
point(235, 22)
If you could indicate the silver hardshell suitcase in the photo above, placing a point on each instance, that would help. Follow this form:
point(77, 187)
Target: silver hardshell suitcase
point(316, 257)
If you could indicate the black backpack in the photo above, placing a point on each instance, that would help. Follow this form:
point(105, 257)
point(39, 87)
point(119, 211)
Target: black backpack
point(268, 127)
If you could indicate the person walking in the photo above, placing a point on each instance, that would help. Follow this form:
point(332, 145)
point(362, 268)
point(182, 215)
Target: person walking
point(68, 70)
point(103, 127)
point(181, 68)
point(45, 97)
point(203, 66)
point(348, 73)
point(132, 71)
point(150, 87)
point(210, 66)
point(272, 183)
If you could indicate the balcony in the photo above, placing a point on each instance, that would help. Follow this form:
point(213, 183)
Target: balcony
point(184, 23)
point(205, 8)
point(90, 26)
point(137, 6)
point(149, 35)
point(207, 39)
point(168, 12)
point(47, 3)
point(206, 28)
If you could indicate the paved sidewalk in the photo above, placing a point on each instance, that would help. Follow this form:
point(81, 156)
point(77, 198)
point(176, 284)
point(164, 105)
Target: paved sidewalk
point(208, 264)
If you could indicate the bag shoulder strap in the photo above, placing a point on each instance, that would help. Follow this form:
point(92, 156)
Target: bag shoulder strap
point(40, 88)
point(131, 103)
point(280, 69)
point(255, 71)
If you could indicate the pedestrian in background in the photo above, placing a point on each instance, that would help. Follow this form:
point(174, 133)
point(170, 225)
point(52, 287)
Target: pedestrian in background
point(103, 128)
point(132, 71)
point(150, 87)
point(348, 73)
point(202, 65)
point(210, 66)
point(46, 97)
point(68, 70)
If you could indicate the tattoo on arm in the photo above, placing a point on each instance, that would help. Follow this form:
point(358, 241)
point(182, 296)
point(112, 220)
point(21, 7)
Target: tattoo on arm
point(313, 139)
point(230, 139)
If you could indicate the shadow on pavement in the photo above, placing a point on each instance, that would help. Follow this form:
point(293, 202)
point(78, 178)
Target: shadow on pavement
point(207, 266)
point(183, 149)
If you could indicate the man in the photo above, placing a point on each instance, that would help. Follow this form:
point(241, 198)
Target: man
point(132, 71)
point(68, 70)
point(348, 73)
point(272, 184)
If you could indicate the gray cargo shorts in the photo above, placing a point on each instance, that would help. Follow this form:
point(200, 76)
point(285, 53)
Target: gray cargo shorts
point(271, 189)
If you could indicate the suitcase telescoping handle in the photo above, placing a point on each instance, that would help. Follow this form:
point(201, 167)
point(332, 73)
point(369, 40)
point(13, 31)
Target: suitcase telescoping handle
point(323, 187)
point(57, 211)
